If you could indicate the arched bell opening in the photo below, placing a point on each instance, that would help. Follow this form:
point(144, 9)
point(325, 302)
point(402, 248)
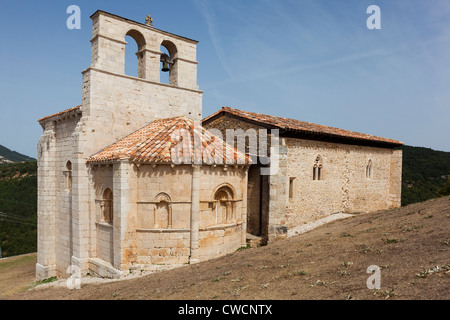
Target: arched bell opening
point(134, 55)
point(169, 65)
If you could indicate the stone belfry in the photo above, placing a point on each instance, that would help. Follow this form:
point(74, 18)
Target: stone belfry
point(113, 105)
point(106, 84)
point(132, 102)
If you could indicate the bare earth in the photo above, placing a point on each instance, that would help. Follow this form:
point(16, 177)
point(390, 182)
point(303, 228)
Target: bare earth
point(17, 274)
point(410, 245)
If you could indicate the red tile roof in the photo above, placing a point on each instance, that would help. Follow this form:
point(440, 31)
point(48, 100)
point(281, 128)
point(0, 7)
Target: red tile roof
point(60, 113)
point(155, 143)
point(298, 126)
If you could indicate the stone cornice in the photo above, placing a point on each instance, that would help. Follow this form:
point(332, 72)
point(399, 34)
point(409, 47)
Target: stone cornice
point(139, 79)
point(70, 113)
point(160, 53)
point(98, 35)
point(98, 12)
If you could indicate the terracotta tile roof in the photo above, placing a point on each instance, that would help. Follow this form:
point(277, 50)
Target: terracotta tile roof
point(155, 143)
point(299, 126)
point(60, 113)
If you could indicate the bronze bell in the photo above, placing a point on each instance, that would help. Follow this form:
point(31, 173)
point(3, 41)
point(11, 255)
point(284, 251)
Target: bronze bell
point(165, 67)
point(165, 59)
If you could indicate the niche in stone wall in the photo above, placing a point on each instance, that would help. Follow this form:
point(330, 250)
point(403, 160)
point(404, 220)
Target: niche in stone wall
point(107, 206)
point(68, 177)
point(224, 205)
point(369, 172)
point(163, 212)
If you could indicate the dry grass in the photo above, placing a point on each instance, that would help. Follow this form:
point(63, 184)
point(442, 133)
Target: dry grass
point(410, 245)
point(17, 274)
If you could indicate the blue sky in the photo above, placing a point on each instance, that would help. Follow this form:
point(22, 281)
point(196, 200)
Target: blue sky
point(313, 60)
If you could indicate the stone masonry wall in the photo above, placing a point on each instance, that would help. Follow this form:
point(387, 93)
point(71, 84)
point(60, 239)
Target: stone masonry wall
point(64, 153)
point(395, 182)
point(222, 237)
point(344, 187)
point(102, 237)
point(159, 244)
point(46, 203)
point(163, 245)
point(116, 106)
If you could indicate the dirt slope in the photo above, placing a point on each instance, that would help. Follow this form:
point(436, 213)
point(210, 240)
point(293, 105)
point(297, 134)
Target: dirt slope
point(410, 245)
point(17, 274)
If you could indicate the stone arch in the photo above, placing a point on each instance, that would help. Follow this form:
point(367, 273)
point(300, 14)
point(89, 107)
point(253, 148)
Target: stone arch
point(225, 186)
point(163, 211)
point(138, 37)
point(162, 196)
point(171, 48)
point(141, 43)
point(107, 205)
point(318, 168)
point(224, 197)
point(68, 176)
point(369, 172)
point(171, 58)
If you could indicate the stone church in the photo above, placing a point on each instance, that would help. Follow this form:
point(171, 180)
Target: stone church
point(112, 197)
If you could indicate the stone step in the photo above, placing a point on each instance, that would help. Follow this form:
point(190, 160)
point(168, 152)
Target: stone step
point(254, 241)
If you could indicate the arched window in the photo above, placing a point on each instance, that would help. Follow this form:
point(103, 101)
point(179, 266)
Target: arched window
point(135, 44)
point(68, 176)
point(163, 212)
point(224, 205)
point(318, 169)
point(107, 206)
point(162, 215)
point(169, 65)
point(166, 66)
point(369, 170)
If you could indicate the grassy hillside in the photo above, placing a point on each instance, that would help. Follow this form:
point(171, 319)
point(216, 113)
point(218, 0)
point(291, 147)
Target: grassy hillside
point(8, 156)
point(410, 245)
point(17, 274)
point(18, 208)
point(425, 173)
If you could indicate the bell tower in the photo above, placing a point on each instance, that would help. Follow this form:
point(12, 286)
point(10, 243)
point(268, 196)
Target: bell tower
point(113, 106)
point(108, 46)
point(111, 96)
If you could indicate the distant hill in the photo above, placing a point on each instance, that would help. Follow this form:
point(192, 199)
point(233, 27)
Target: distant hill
point(425, 174)
point(18, 208)
point(9, 156)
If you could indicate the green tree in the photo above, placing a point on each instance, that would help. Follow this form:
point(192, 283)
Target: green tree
point(445, 190)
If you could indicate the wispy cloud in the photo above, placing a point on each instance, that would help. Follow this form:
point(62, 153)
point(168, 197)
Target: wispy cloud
point(294, 69)
point(296, 51)
point(210, 19)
